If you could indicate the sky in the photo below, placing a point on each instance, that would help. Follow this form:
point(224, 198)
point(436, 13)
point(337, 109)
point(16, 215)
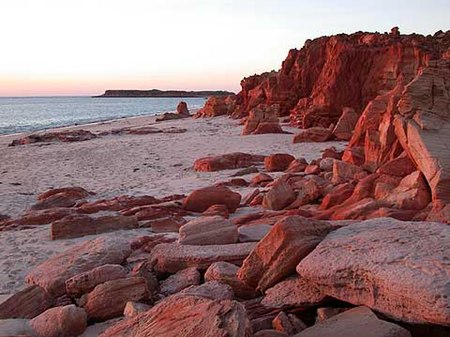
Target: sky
point(83, 47)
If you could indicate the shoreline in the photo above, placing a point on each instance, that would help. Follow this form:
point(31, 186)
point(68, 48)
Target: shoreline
point(89, 124)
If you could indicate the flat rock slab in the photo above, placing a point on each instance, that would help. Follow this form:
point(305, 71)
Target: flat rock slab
point(184, 315)
point(401, 269)
point(357, 322)
point(278, 253)
point(53, 273)
point(27, 303)
point(172, 257)
point(292, 292)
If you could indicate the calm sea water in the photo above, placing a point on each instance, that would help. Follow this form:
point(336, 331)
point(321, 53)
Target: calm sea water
point(24, 114)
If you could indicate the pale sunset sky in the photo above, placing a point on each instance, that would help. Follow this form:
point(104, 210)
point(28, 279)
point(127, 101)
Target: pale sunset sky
point(82, 47)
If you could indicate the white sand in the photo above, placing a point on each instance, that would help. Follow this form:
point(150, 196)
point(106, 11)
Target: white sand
point(107, 166)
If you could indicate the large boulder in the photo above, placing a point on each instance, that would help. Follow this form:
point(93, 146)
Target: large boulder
point(171, 257)
point(180, 280)
point(108, 300)
point(208, 230)
point(185, 315)
point(412, 193)
point(182, 109)
point(85, 282)
point(68, 321)
point(314, 134)
point(277, 254)
point(74, 226)
point(200, 200)
point(279, 196)
point(217, 106)
point(227, 161)
point(27, 303)
point(423, 125)
point(346, 124)
point(54, 272)
point(60, 197)
point(293, 292)
point(226, 273)
point(278, 162)
point(356, 322)
point(397, 268)
point(262, 119)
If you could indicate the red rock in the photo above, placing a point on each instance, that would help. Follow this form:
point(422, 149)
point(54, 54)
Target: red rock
point(147, 243)
point(261, 179)
point(314, 134)
point(404, 261)
point(53, 273)
point(182, 109)
point(337, 196)
point(208, 230)
point(164, 225)
point(279, 196)
point(74, 226)
point(439, 213)
point(217, 106)
point(227, 162)
point(132, 309)
point(108, 299)
point(185, 315)
point(359, 210)
point(63, 199)
point(354, 155)
point(297, 165)
point(288, 324)
point(28, 303)
point(200, 200)
point(48, 137)
point(312, 169)
point(326, 164)
point(262, 119)
point(307, 192)
point(331, 152)
point(346, 124)
point(293, 292)
point(344, 172)
point(422, 124)
point(159, 211)
point(170, 257)
point(225, 272)
point(60, 321)
point(355, 323)
point(412, 193)
point(278, 162)
point(399, 167)
point(212, 290)
point(245, 171)
point(71, 191)
point(247, 200)
point(179, 281)
point(85, 282)
point(277, 254)
point(399, 214)
point(117, 203)
point(219, 209)
point(45, 216)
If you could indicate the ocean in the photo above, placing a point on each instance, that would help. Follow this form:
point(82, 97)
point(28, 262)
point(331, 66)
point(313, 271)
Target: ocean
point(27, 114)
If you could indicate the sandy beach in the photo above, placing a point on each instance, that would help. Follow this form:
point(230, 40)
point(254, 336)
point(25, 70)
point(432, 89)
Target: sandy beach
point(157, 164)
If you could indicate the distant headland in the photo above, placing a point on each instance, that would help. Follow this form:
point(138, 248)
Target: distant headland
point(162, 93)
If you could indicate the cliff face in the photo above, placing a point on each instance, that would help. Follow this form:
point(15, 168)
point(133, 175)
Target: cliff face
point(316, 82)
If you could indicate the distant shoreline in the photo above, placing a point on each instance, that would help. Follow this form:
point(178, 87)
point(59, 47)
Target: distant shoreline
point(162, 93)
